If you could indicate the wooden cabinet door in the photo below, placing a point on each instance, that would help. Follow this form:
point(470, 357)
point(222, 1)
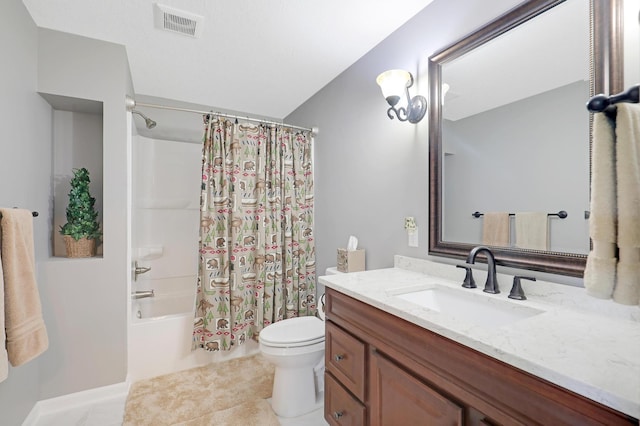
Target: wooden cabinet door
point(397, 398)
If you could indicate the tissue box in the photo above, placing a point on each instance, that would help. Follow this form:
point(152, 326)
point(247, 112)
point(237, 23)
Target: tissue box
point(350, 260)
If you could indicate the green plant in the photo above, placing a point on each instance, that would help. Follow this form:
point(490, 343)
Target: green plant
point(81, 215)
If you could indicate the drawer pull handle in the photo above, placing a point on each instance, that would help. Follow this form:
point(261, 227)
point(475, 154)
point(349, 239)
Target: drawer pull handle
point(337, 415)
point(338, 357)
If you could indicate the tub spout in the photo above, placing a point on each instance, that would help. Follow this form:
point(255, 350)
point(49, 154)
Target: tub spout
point(138, 270)
point(142, 294)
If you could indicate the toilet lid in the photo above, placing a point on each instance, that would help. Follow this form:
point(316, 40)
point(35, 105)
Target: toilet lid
point(301, 331)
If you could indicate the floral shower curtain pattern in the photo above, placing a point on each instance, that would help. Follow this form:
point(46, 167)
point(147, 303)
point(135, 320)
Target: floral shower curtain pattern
point(257, 252)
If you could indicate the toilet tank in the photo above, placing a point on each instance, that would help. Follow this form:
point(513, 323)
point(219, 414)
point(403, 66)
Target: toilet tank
point(333, 271)
point(329, 271)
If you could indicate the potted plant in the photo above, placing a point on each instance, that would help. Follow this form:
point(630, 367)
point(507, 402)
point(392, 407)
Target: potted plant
point(82, 228)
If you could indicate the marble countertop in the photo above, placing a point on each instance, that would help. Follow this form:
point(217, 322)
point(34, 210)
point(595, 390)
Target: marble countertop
point(587, 345)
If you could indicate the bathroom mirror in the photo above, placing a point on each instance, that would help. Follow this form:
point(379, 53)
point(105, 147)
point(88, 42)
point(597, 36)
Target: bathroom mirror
point(509, 130)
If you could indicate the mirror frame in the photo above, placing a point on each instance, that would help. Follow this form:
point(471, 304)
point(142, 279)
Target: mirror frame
point(606, 75)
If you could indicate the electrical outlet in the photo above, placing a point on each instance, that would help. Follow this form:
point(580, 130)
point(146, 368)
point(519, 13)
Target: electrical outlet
point(412, 230)
point(410, 223)
point(413, 238)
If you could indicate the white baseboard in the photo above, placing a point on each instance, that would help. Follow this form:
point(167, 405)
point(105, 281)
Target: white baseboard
point(74, 400)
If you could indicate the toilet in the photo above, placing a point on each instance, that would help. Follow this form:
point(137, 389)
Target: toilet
point(296, 347)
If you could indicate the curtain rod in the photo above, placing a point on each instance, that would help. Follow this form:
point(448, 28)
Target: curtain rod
point(131, 103)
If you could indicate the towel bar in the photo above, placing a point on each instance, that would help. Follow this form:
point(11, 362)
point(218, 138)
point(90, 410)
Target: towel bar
point(561, 214)
point(603, 103)
point(34, 214)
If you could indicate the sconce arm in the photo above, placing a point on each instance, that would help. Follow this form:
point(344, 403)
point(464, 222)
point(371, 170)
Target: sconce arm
point(416, 107)
point(400, 113)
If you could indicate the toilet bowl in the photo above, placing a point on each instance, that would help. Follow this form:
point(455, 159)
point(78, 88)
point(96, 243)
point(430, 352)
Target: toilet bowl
point(296, 347)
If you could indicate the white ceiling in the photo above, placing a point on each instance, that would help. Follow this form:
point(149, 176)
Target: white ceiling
point(262, 58)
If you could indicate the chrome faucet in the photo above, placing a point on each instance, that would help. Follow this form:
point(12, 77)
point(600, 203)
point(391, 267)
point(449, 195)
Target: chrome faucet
point(142, 294)
point(491, 286)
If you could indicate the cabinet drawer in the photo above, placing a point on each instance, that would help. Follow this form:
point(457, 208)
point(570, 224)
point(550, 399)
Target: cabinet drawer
point(345, 359)
point(340, 408)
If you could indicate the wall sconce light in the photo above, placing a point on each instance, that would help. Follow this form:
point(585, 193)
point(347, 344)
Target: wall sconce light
point(393, 83)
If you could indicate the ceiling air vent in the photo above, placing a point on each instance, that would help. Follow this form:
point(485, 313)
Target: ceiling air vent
point(177, 21)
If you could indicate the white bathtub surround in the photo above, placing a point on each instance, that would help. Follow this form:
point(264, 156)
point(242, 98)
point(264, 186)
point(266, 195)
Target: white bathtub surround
point(587, 345)
point(164, 238)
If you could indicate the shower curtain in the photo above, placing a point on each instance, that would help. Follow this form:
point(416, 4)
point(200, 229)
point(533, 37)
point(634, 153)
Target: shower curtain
point(257, 252)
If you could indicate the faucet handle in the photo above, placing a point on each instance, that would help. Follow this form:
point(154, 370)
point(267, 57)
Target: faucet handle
point(516, 291)
point(468, 282)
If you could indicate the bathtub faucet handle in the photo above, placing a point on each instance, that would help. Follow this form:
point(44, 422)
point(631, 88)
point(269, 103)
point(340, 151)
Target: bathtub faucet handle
point(138, 270)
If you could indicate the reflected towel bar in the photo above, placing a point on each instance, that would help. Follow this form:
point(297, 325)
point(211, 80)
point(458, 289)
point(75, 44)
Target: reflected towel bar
point(561, 214)
point(604, 103)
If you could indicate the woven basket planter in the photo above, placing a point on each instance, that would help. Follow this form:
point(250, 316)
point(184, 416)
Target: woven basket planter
point(80, 248)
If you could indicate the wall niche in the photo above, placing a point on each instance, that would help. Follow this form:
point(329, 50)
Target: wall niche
point(77, 142)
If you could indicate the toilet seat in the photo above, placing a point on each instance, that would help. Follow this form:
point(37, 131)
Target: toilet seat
point(293, 332)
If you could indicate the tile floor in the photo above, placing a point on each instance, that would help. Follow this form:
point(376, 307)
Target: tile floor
point(109, 412)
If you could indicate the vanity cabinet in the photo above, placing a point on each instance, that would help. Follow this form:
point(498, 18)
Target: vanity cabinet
point(383, 370)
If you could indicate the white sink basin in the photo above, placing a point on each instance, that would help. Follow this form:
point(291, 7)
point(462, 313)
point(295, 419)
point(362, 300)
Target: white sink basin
point(472, 307)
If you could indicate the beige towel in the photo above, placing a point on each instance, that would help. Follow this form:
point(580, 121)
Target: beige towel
point(532, 230)
point(600, 270)
point(4, 358)
point(496, 229)
point(627, 288)
point(25, 330)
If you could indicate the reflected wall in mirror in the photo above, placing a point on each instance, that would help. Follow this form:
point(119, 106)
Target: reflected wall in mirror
point(509, 131)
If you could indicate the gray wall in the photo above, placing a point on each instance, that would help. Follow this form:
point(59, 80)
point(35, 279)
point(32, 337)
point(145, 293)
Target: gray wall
point(83, 300)
point(25, 170)
point(370, 171)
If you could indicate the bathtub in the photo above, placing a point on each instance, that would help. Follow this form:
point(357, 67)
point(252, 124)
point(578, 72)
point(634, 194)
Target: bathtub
point(160, 331)
point(161, 306)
